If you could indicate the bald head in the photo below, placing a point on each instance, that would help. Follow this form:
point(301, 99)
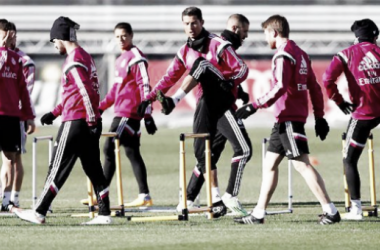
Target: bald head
point(238, 24)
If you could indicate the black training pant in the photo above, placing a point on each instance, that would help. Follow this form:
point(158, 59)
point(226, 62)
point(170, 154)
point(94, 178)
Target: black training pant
point(129, 133)
point(75, 140)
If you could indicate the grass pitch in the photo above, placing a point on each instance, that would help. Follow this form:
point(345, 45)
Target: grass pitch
point(160, 152)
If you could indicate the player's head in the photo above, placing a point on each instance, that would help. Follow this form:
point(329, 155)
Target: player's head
point(275, 26)
point(123, 34)
point(63, 30)
point(12, 27)
point(192, 22)
point(238, 24)
point(365, 30)
point(6, 33)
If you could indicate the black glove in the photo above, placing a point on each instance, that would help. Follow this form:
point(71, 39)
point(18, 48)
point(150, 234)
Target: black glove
point(48, 118)
point(242, 95)
point(142, 107)
point(150, 126)
point(226, 85)
point(245, 111)
point(321, 128)
point(166, 102)
point(346, 107)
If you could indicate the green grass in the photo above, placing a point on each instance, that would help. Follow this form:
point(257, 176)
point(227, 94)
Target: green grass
point(160, 152)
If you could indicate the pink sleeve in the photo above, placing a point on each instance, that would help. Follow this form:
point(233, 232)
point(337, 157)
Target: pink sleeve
point(109, 99)
point(330, 78)
point(315, 93)
point(237, 65)
point(80, 77)
point(57, 111)
point(173, 74)
point(26, 105)
point(281, 79)
point(29, 73)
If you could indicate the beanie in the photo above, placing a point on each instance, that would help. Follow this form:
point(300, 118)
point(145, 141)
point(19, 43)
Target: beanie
point(64, 29)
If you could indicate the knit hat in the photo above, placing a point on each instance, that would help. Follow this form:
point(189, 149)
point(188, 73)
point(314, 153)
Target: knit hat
point(64, 29)
point(365, 29)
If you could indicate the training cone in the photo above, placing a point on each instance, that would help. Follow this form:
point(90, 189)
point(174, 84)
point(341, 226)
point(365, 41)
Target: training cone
point(313, 160)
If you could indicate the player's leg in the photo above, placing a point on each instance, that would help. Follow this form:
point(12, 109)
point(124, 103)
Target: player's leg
point(67, 145)
point(19, 168)
point(10, 139)
point(130, 139)
point(109, 165)
point(356, 138)
point(293, 137)
point(234, 130)
point(89, 155)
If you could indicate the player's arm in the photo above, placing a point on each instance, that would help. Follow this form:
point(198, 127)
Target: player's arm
point(281, 78)
point(109, 99)
point(229, 57)
point(330, 77)
point(174, 72)
point(27, 110)
point(29, 70)
point(316, 96)
point(140, 73)
point(77, 73)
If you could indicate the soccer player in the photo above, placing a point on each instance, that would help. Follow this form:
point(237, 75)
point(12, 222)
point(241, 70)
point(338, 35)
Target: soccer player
point(79, 133)
point(29, 74)
point(130, 88)
point(12, 91)
point(214, 64)
point(228, 128)
point(292, 77)
point(360, 63)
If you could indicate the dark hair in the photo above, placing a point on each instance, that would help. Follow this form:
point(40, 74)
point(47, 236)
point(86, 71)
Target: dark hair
point(125, 26)
point(240, 18)
point(279, 24)
point(4, 24)
point(11, 26)
point(192, 11)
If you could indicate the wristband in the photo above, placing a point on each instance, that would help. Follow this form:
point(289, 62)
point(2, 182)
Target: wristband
point(178, 96)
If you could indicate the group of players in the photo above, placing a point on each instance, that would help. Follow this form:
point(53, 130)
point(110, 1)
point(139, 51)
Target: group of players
point(216, 70)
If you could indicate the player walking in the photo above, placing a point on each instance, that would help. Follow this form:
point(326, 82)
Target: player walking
point(292, 77)
point(79, 133)
point(360, 63)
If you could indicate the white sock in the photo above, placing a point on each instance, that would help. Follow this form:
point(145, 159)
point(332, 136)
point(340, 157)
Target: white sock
point(142, 196)
point(6, 198)
point(215, 194)
point(227, 196)
point(356, 206)
point(329, 208)
point(14, 197)
point(258, 213)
